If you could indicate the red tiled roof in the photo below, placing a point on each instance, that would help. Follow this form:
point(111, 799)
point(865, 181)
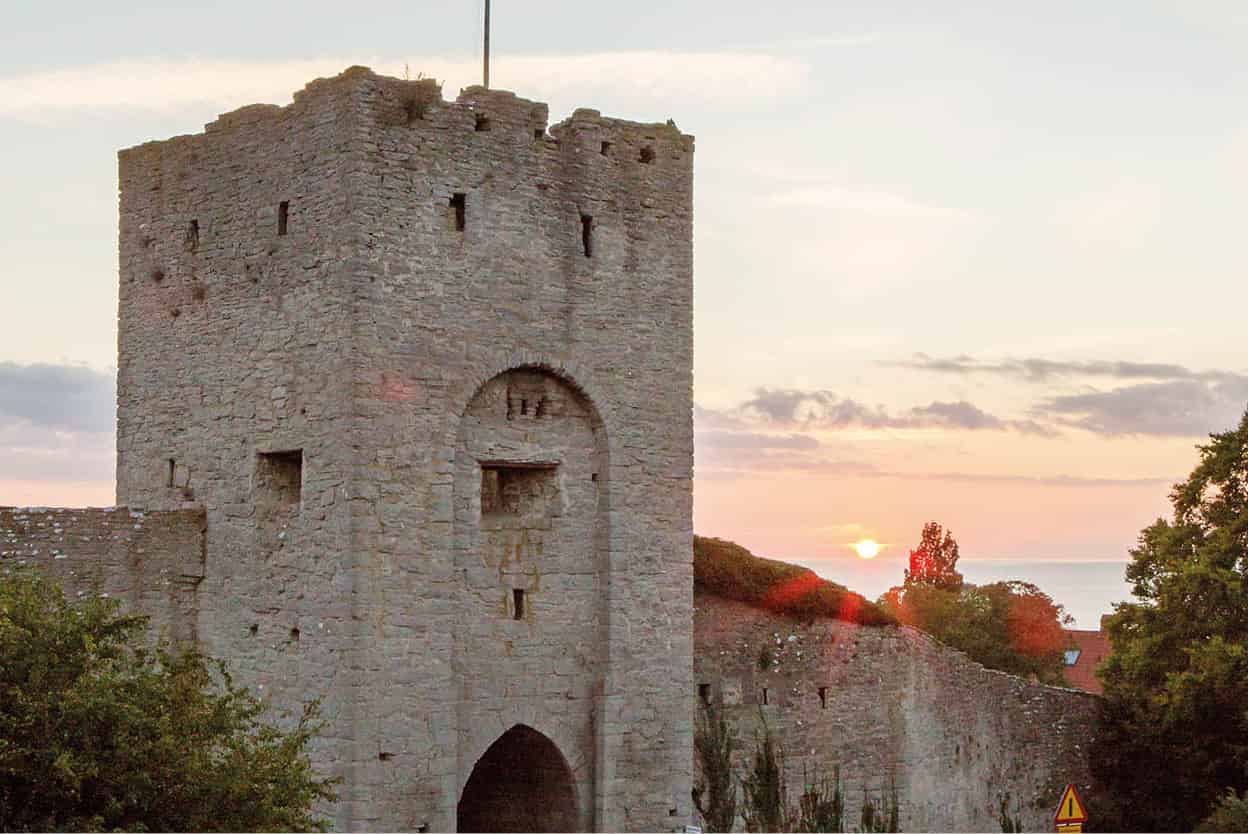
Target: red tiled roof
point(1093, 647)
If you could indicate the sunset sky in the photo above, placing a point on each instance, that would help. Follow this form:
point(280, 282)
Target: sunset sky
point(953, 262)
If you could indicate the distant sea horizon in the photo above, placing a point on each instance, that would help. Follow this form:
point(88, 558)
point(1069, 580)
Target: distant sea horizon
point(1086, 589)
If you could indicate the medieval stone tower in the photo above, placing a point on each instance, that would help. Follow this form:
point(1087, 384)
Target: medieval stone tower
point(426, 368)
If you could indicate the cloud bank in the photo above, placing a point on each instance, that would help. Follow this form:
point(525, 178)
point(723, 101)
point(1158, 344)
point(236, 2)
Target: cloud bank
point(56, 423)
point(822, 409)
point(71, 398)
point(1162, 400)
point(1179, 408)
point(1043, 370)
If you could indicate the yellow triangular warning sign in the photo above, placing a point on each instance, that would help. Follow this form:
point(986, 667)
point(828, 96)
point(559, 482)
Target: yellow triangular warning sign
point(1070, 809)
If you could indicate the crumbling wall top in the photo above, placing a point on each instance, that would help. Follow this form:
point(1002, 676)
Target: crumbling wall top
point(502, 105)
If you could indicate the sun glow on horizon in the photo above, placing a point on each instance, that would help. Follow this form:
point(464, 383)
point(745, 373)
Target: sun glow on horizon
point(867, 548)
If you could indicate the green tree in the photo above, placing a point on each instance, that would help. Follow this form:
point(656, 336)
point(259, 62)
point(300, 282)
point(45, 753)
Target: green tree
point(715, 793)
point(99, 733)
point(1230, 814)
point(1175, 727)
point(935, 560)
point(1011, 626)
point(765, 806)
point(1010, 823)
point(821, 807)
point(883, 820)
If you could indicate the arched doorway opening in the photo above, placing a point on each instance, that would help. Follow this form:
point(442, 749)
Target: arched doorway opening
point(521, 783)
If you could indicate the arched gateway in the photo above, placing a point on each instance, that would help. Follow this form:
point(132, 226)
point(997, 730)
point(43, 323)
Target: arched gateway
point(531, 486)
point(522, 783)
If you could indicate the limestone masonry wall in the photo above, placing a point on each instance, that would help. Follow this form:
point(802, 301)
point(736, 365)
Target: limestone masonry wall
point(345, 321)
point(151, 561)
point(890, 705)
point(501, 262)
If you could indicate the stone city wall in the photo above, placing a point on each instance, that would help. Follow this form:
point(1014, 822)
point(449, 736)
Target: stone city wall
point(152, 561)
point(890, 705)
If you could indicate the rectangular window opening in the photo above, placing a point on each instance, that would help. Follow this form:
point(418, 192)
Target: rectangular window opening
point(280, 480)
point(763, 699)
point(823, 697)
point(169, 479)
point(517, 599)
point(283, 215)
point(511, 489)
point(704, 693)
point(587, 235)
point(459, 211)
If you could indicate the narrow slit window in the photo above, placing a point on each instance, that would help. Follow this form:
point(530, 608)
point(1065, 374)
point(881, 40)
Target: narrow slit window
point(587, 235)
point(704, 693)
point(459, 211)
point(823, 697)
point(517, 599)
point(763, 697)
point(169, 476)
point(192, 236)
point(283, 215)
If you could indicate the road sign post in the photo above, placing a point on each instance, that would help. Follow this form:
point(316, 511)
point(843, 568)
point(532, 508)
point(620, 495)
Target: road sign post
point(1070, 814)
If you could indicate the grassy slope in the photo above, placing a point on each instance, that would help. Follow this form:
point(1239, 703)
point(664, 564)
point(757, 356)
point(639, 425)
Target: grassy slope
point(730, 571)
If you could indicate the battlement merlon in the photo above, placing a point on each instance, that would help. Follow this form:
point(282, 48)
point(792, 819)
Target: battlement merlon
point(256, 171)
point(410, 102)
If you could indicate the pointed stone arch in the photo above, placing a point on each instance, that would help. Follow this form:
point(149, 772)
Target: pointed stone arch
point(528, 505)
point(521, 783)
point(464, 389)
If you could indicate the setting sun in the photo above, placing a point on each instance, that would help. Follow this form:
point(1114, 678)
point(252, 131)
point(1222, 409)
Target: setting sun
point(867, 548)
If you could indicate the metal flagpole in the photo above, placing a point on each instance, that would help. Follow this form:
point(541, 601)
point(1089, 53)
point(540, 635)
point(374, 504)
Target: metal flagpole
point(486, 56)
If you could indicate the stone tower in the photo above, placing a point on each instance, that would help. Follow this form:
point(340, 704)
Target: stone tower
point(426, 367)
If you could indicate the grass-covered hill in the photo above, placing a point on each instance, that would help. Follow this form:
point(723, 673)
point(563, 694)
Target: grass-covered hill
point(730, 571)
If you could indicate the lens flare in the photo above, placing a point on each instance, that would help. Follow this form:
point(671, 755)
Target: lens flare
point(867, 548)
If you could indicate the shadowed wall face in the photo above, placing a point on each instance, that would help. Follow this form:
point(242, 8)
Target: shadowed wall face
point(522, 783)
point(889, 708)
